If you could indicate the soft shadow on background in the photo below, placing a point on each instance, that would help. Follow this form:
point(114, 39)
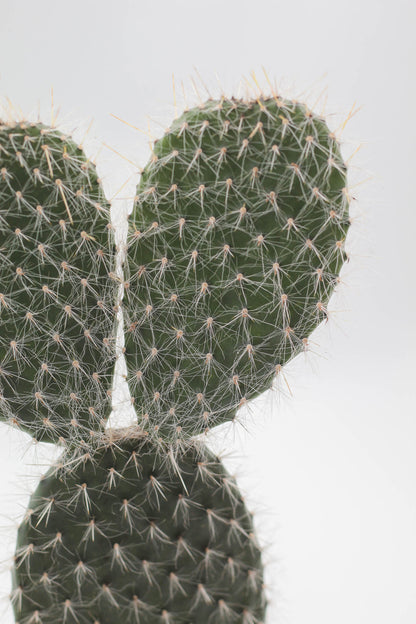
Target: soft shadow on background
point(331, 468)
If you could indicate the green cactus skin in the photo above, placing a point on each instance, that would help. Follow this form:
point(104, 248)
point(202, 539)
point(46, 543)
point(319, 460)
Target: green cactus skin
point(236, 244)
point(130, 533)
point(56, 298)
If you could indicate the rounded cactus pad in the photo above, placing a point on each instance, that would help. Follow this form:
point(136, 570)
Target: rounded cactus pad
point(56, 298)
point(132, 534)
point(236, 244)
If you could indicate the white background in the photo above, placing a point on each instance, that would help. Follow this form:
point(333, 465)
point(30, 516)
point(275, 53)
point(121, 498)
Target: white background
point(330, 470)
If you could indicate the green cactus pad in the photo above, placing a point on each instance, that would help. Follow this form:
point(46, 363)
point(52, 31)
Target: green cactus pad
point(56, 298)
point(133, 534)
point(236, 244)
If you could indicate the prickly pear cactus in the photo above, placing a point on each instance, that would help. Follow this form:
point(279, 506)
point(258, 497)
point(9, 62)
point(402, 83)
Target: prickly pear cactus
point(235, 246)
point(56, 297)
point(131, 533)
point(236, 243)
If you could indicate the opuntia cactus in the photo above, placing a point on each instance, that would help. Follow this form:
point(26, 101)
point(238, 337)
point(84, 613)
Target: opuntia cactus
point(235, 245)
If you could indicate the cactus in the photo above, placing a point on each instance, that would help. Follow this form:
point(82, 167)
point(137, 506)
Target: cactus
point(132, 533)
point(235, 246)
point(56, 298)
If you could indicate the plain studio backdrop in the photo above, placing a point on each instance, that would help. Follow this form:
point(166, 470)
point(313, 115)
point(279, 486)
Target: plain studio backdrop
point(330, 468)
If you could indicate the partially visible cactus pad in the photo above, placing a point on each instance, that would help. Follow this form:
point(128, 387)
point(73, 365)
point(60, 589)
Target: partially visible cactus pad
point(131, 534)
point(56, 298)
point(236, 244)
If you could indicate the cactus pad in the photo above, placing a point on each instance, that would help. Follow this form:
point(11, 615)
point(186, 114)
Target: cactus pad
point(131, 534)
point(56, 299)
point(236, 244)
